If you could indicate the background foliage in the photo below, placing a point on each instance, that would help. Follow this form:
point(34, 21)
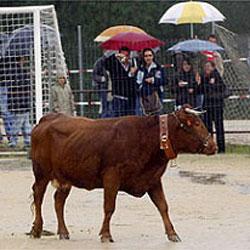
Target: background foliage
point(95, 16)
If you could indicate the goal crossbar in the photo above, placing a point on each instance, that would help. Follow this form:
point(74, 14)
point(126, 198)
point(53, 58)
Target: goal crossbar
point(24, 9)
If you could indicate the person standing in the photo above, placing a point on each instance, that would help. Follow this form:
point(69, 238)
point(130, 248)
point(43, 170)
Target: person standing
point(213, 87)
point(122, 76)
point(62, 98)
point(102, 81)
point(185, 86)
point(149, 80)
point(19, 101)
point(5, 73)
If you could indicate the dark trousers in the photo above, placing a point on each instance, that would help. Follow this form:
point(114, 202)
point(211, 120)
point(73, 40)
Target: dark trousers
point(123, 107)
point(106, 111)
point(215, 114)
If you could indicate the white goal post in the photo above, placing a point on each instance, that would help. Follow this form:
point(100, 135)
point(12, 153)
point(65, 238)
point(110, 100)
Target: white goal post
point(31, 34)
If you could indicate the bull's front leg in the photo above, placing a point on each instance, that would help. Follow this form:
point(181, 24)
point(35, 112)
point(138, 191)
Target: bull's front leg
point(111, 187)
point(157, 196)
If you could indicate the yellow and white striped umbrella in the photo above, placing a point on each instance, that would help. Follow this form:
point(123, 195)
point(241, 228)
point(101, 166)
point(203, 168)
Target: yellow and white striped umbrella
point(112, 31)
point(192, 12)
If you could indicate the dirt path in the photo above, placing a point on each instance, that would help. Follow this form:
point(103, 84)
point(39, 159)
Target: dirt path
point(209, 201)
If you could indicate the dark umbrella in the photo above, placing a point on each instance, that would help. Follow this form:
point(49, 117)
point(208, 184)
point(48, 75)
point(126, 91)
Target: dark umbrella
point(21, 41)
point(131, 40)
point(195, 45)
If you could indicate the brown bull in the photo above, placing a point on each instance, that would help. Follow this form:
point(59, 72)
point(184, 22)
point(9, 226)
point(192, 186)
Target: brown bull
point(121, 154)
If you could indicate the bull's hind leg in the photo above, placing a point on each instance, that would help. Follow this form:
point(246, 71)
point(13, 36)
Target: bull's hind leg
point(111, 186)
point(157, 196)
point(39, 188)
point(60, 196)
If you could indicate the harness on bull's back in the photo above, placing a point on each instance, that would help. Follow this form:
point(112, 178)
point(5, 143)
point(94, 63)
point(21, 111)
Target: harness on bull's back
point(165, 142)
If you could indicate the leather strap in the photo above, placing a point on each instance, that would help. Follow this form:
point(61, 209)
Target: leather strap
point(165, 142)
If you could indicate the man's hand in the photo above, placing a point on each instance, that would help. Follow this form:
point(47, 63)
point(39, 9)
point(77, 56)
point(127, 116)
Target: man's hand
point(133, 70)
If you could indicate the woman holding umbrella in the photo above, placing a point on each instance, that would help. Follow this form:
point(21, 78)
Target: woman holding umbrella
point(149, 79)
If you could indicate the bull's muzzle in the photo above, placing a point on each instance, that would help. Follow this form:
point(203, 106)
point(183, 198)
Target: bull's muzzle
point(210, 147)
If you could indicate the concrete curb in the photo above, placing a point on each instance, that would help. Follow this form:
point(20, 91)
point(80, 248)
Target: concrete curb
point(13, 153)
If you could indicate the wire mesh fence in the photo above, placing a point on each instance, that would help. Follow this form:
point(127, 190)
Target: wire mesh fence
point(234, 95)
point(170, 63)
point(30, 58)
point(29, 79)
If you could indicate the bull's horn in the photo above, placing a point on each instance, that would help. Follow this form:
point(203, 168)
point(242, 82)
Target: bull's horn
point(194, 112)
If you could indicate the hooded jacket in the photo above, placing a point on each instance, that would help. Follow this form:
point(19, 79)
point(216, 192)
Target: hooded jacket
point(62, 99)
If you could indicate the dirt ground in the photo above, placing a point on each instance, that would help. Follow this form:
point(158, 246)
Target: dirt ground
point(209, 200)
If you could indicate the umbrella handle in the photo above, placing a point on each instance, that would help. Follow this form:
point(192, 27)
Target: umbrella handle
point(192, 30)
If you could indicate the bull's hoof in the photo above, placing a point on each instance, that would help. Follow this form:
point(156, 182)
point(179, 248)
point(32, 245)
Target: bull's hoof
point(35, 233)
point(174, 238)
point(64, 236)
point(105, 238)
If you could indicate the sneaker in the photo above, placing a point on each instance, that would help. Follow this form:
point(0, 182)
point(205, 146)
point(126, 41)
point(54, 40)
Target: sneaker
point(12, 145)
point(26, 147)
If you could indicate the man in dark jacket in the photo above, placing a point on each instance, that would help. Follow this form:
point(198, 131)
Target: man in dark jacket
point(101, 81)
point(122, 75)
point(19, 100)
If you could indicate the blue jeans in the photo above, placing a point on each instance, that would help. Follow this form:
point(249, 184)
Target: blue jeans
point(138, 109)
point(106, 110)
point(199, 101)
point(3, 100)
point(6, 115)
point(20, 122)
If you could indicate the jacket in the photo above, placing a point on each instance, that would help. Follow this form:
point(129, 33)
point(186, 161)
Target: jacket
point(123, 85)
point(100, 76)
point(213, 89)
point(183, 94)
point(143, 73)
point(62, 99)
point(18, 88)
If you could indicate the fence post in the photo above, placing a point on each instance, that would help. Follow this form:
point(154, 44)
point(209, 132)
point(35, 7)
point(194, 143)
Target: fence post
point(213, 28)
point(38, 66)
point(80, 64)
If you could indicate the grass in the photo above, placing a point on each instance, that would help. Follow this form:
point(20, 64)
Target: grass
point(237, 149)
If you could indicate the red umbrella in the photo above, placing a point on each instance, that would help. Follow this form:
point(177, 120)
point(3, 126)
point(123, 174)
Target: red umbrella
point(132, 40)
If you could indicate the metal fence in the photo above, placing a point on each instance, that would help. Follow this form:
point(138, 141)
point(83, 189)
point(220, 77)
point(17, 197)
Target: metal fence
point(236, 107)
point(236, 78)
